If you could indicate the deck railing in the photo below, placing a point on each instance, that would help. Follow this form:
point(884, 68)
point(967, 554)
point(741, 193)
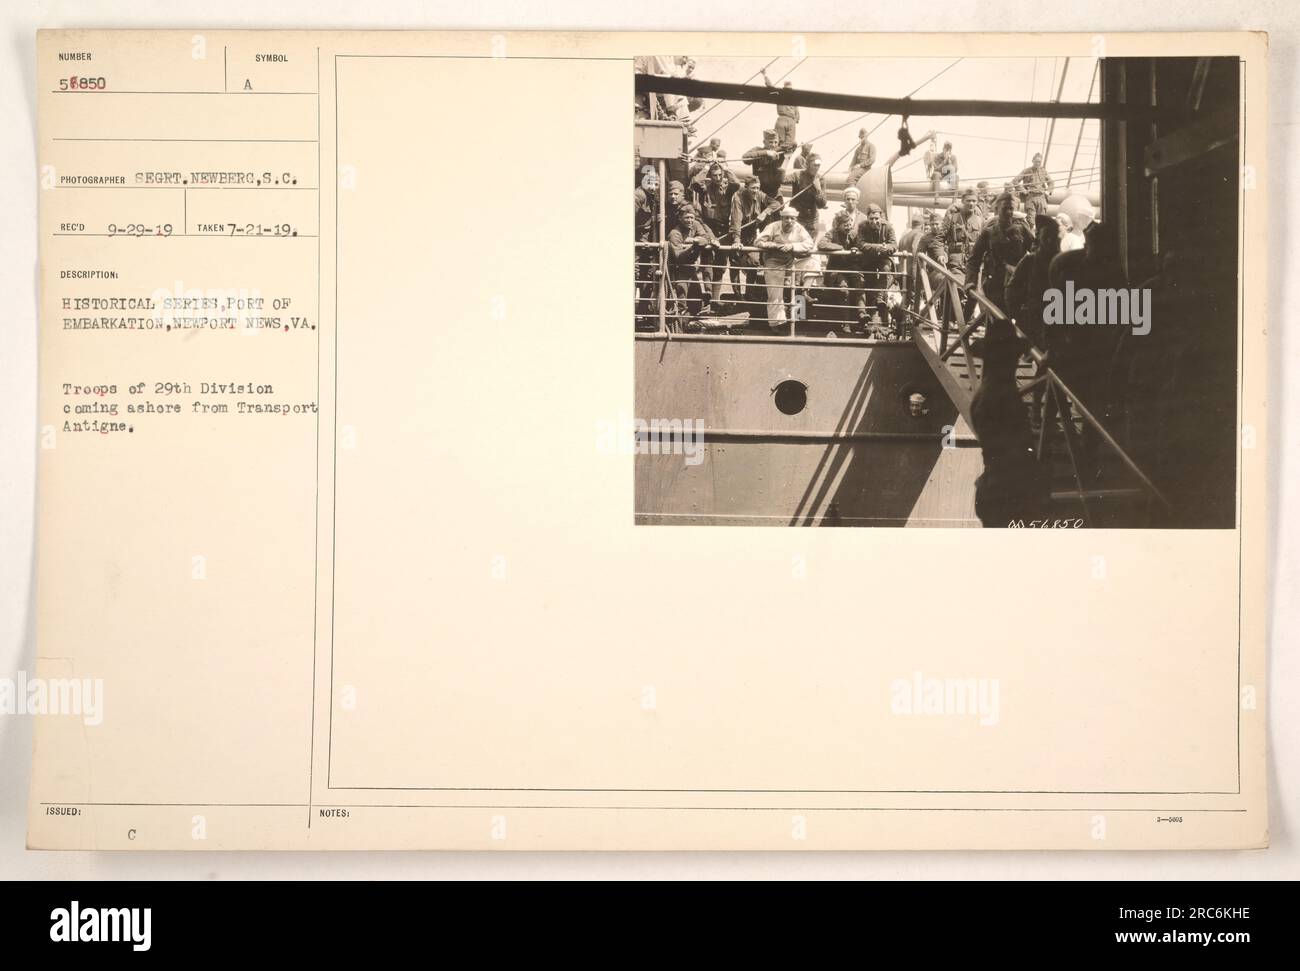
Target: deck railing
point(656, 279)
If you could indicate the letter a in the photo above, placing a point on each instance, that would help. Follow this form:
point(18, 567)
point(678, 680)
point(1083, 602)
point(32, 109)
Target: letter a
point(1053, 311)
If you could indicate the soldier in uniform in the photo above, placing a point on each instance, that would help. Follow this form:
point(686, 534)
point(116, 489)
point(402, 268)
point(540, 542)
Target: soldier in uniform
point(787, 117)
point(864, 157)
point(997, 251)
point(843, 262)
point(877, 243)
point(646, 220)
point(751, 210)
point(690, 243)
point(1035, 184)
point(932, 153)
point(676, 199)
point(943, 171)
point(960, 231)
point(915, 230)
point(930, 243)
point(809, 195)
point(767, 161)
point(709, 150)
point(713, 203)
point(907, 244)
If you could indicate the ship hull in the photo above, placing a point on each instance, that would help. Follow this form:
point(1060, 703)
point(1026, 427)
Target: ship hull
point(852, 454)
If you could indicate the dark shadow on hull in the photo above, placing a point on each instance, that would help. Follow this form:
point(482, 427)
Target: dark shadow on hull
point(879, 482)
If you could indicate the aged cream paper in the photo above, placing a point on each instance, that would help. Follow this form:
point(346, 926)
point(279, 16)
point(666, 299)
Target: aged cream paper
point(332, 327)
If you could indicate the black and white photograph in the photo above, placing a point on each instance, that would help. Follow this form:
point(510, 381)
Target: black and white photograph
point(976, 291)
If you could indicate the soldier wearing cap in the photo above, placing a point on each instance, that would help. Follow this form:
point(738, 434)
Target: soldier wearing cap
point(999, 248)
point(1035, 184)
point(751, 210)
point(709, 150)
point(929, 243)
point(767, 161)
point(864, 157)
point(787, 256)
point(809, 195)
point(907, 244)
point(840, 248)
point(712, 200)
point(690, 243)
point(915, 229)
point(703, 157)
point(960, 231)
point(877, 243)
point(713, 204)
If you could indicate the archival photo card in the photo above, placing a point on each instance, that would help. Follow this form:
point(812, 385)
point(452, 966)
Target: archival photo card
point(355, 481)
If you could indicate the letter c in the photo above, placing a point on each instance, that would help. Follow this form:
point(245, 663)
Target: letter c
point(130, 834)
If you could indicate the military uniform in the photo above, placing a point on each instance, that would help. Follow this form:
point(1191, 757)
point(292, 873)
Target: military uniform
point(864, 157)
point(685, 253)
point(997, 251)
point(943, 171)
point(748, 217)
point(877, 243)
point(713, 203)
point(787, 116)
point(809, 196)
point(1036, 184)
point(959, 235)
point(931, 244)
point(843, 263)
point(768, 167)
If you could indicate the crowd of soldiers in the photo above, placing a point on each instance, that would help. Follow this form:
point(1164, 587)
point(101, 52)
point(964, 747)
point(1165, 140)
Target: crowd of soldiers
point(741, 234)
point(760, 236)
point(752, 234)
point(754, 237)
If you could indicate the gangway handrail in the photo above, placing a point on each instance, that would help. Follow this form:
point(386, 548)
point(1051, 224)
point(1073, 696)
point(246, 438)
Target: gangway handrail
point(1043, 369)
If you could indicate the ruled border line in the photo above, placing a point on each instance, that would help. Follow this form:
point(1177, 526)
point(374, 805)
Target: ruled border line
point(334, 530)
